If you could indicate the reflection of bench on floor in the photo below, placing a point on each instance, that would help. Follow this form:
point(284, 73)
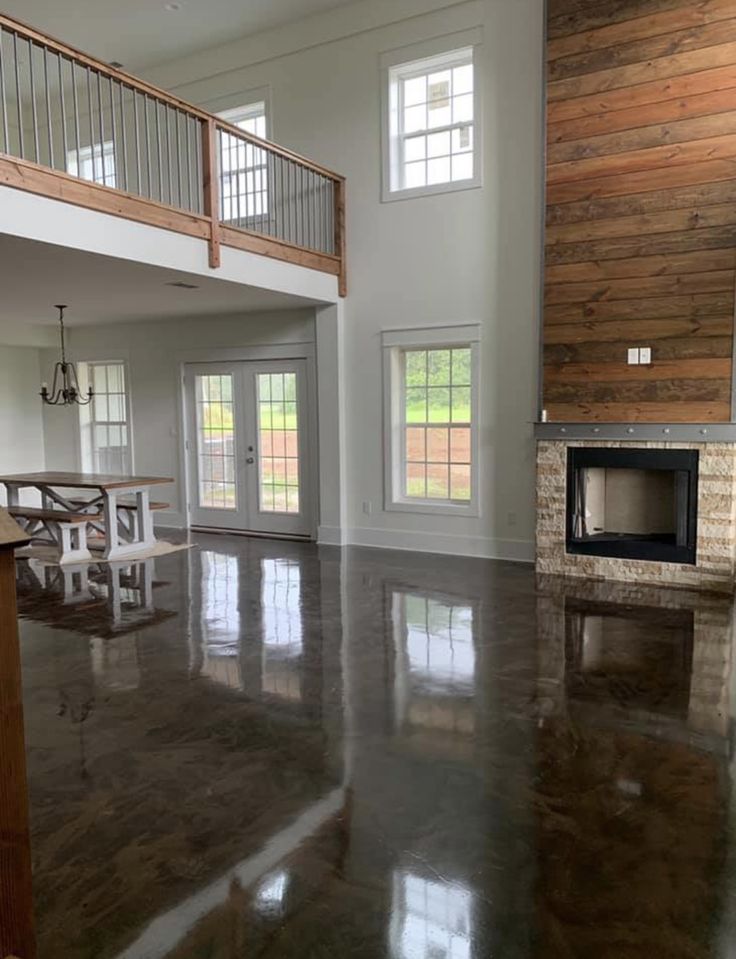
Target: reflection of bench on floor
point(67, 531)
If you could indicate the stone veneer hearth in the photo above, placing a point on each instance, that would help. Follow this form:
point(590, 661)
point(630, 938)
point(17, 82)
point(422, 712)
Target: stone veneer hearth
point(715, 566)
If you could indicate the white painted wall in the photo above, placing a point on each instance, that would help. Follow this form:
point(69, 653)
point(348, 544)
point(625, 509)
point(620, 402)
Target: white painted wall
point(154, 352)
point(21, 423)
point(457, 258)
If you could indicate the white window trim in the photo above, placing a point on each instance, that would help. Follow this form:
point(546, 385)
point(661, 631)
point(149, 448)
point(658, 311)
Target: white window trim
point(85, 412)
point(413, 55)
point(233, 104)
point(235, 115)
point(393, 343)
point(76, 156)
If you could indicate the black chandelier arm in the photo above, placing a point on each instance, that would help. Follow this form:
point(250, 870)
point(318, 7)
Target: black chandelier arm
point(65, 389)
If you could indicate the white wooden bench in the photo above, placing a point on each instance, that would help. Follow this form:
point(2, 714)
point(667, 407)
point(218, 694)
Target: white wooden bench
point(67, 531)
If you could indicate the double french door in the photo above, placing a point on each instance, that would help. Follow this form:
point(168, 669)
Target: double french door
point(247, 450)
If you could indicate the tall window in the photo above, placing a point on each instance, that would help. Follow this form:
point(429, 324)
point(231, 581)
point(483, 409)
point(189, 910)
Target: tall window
point(105, 422)
point(431, 404)
point(437, 424)
point(432, 118)
point(244, 167)
point(95, 163)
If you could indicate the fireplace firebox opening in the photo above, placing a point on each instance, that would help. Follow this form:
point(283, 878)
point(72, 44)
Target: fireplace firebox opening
point(632, 503)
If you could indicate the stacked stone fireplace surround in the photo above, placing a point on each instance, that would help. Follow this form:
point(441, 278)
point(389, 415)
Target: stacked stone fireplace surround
point(715, 566)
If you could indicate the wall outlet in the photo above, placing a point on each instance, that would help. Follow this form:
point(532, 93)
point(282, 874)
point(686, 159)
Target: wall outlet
point(512, 519)
point(367, 507)
point(645, 355)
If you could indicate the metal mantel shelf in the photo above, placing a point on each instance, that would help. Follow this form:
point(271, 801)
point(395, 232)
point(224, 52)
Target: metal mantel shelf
point(667, 432)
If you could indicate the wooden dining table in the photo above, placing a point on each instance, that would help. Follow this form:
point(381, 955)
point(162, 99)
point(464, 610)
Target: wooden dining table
point(127, 525)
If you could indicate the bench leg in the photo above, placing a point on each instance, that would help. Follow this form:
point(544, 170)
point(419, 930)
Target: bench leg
point(141, 527)
point(73, 537)
point(145, 518)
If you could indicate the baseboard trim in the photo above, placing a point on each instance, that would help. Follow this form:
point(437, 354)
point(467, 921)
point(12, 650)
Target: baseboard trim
point(451, 544)
point(331, 536)
point(169, 519)
point(481, 547)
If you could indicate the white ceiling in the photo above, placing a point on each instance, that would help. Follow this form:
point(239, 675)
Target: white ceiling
point(99, 289)
point(141, 33)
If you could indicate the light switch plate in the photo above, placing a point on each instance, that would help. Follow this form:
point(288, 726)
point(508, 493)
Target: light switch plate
point(633, 357)
point(645, 355)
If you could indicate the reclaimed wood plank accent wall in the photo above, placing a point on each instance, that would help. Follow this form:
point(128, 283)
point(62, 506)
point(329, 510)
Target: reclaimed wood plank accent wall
point(641, 212)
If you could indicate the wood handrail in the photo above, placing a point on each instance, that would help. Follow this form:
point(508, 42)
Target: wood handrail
point(71, 53)
point(16, 892)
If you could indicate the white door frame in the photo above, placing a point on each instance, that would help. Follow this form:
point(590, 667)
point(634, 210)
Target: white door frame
point(292, 351)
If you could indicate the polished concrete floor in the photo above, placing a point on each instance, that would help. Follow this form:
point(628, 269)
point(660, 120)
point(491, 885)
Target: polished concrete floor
point(263, 749)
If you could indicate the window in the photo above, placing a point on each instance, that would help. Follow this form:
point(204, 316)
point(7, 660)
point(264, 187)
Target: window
point(431, 420)
point(95, 163)
point(105, 422)
point(431, 125)
point(244, 167)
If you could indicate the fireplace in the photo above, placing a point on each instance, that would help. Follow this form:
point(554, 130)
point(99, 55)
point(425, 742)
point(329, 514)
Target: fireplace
point(638, 503)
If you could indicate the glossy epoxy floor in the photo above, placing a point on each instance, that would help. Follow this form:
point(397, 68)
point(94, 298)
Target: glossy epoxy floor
point(293, 752)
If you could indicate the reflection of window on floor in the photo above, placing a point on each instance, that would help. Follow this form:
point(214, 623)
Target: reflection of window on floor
point(221, 618)
point(115, 663)
point(431, 919)
point(282, 627)
point(435, 663)
point(271, 894)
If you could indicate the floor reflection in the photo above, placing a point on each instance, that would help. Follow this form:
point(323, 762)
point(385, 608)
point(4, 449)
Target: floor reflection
point(100, 599)
point(435, 663)
point(635, 745)
point(430, 919)
point(220, 618)
point(281, 605)
point(384, 756)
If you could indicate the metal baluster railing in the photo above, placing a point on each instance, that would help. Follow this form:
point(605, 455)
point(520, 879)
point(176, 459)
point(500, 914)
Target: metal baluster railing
point(63, 110)
point(271, 194)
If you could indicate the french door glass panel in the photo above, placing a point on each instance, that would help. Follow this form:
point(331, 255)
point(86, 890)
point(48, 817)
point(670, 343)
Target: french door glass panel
point(249, 467)
point(216, 488)
point(278, 443)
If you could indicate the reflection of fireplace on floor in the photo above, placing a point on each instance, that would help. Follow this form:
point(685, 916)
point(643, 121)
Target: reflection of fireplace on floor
point(637, 657)
point(632, 503)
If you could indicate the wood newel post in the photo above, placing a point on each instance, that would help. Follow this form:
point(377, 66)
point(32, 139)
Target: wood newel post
point(16, 894)
point(340, 245)
point(211, 188)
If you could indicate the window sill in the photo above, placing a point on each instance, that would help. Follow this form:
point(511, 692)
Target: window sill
point(433, 508)
point(389, 196)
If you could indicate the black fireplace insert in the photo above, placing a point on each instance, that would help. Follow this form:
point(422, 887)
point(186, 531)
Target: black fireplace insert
point(633, 503)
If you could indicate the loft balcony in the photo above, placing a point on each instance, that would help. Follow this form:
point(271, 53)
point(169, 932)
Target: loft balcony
point(75, 130)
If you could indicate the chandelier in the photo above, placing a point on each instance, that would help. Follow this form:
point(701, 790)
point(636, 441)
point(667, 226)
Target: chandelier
point(65, 389)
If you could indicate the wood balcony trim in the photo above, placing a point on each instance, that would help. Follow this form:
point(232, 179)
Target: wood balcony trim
point(252, 242)
point(56, 185)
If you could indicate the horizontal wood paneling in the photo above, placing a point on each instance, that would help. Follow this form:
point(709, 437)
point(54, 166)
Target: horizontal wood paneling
point(663, 111)
point(656, 25)
point(698, 262)
point(641, 223)
point(592, 60)
point(706, 80)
